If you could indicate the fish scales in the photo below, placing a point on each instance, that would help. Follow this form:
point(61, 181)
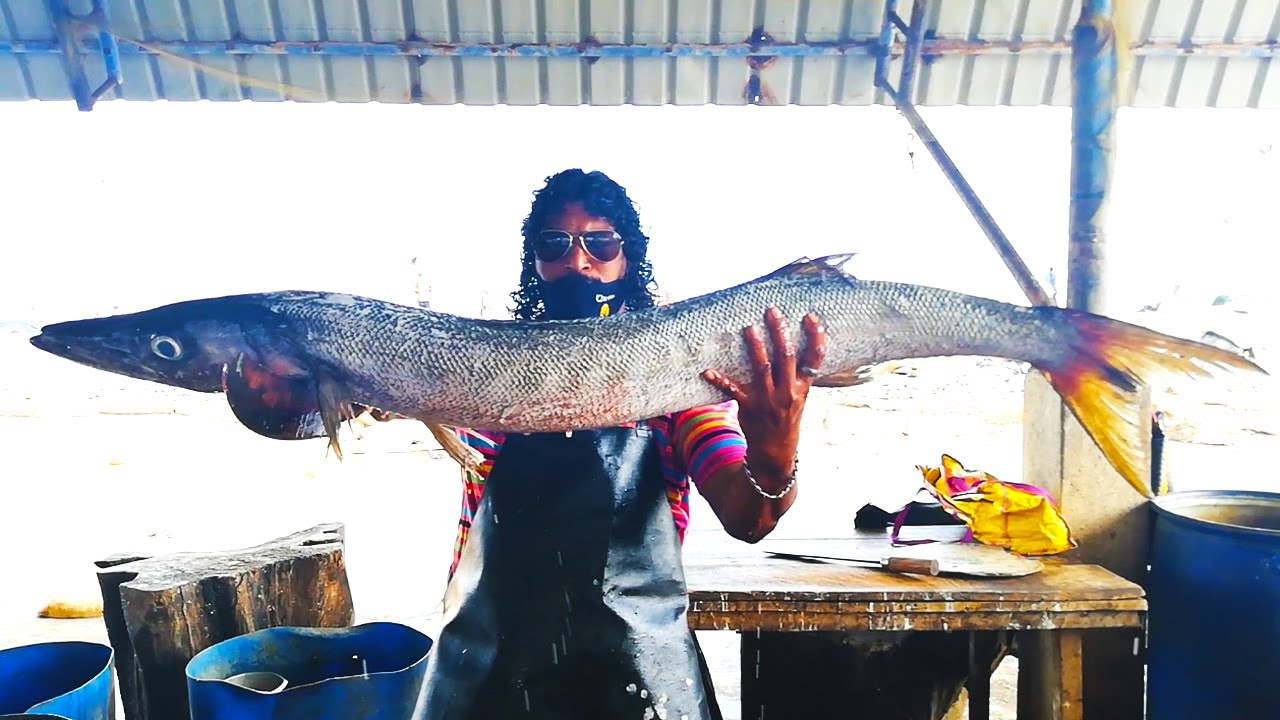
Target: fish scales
point(569, 375)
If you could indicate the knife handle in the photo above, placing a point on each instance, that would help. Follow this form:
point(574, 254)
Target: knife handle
point(916, 566)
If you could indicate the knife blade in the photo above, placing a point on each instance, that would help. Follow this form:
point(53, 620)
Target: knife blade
point(893, 563)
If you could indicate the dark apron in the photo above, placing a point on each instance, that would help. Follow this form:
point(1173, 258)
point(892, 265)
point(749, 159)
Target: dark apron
point(569, 599)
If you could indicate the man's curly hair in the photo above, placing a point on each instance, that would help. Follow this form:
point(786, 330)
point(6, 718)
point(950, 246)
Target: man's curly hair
point(604, 198)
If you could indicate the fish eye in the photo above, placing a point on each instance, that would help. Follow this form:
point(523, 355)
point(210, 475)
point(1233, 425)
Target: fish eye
point(166, 347)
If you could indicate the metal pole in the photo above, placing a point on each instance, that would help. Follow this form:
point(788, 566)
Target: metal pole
point(901, 97)
point(885, 46)
point(911, 57)
point(1026, 280)
point(1093, 110)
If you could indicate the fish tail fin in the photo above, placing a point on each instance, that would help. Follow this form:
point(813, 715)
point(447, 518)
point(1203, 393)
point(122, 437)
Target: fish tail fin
point(1099, 382)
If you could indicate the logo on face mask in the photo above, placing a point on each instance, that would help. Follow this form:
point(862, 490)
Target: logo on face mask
point(574, 296)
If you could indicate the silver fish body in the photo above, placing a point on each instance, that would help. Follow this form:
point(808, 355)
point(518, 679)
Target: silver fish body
point(581, 374)
point(290, 359)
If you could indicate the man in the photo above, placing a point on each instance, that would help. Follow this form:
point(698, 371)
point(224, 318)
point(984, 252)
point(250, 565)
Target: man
point(566, 595)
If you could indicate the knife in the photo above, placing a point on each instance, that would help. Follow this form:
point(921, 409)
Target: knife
point(951, 558)
point(893, 563)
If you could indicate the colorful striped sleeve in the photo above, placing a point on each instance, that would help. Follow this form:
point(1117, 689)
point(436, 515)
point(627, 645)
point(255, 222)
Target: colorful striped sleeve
point(709, 439)
point(486, 443)
point(489, 445)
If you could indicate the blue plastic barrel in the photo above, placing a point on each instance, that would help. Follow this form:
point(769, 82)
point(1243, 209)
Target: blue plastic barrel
point(366, 672)
point(70, 680)
point(1214, 606)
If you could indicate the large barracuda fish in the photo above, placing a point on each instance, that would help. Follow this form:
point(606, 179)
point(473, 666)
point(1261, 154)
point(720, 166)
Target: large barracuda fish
point(297, 364)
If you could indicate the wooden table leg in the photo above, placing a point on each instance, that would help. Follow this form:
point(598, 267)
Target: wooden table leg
point(1050, 675)
point(1071, 683)
point(978, 688)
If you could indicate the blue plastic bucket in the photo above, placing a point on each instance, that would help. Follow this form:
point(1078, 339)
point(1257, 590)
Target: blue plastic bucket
point(69, 680)
point(367, 672)
point(1214, 606)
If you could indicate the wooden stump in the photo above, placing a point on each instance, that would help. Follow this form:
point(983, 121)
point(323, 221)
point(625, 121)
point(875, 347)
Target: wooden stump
point(161, 611)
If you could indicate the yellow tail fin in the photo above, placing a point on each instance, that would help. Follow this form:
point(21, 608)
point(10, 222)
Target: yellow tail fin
point(1099, 384)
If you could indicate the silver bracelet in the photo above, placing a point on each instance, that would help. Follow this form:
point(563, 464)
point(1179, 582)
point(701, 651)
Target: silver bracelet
point(781, 494)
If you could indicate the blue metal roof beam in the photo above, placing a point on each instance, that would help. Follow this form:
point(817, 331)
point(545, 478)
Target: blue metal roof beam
point(931, 48)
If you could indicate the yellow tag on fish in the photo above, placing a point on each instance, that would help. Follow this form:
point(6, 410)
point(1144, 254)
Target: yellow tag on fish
point(604, 310)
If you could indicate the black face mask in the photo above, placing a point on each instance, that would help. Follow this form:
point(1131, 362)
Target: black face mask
point(574, 296)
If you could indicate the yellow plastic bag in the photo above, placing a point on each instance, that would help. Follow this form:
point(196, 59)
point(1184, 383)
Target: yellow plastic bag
point(1017, 516)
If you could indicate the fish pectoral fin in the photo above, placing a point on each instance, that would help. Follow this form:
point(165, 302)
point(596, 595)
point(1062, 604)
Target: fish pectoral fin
point(284, 408)
point(465, 455)
point(334, 408)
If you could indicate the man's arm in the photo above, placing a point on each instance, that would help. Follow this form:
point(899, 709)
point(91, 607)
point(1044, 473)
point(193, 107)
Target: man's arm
point(750, 495)
point(745, 513)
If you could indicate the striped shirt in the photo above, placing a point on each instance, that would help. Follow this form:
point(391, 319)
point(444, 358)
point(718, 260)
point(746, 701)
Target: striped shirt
point(692, 446)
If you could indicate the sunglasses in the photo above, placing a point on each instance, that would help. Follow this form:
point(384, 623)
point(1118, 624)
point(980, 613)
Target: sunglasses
point(601, 245)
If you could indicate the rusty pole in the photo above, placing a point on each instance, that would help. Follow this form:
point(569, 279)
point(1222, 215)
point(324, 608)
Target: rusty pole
point(1093, 111)
point(1113, 533)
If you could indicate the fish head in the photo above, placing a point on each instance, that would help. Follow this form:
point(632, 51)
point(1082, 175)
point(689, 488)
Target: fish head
point(174, 345)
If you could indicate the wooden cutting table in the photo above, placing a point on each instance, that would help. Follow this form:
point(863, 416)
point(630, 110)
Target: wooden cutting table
point(765, 598)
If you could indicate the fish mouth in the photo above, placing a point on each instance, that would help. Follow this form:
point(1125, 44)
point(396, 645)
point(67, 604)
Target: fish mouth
point(114, 349)
point(51, 344)
point(50, 341)
point(99, 351)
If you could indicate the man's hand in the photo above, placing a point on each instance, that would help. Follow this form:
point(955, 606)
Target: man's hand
point(770, 413)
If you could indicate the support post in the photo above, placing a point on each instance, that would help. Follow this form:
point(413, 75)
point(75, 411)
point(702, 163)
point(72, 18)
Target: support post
point(1093, 112)
point(1110, 522)
point(68, 27)
point(911, 53)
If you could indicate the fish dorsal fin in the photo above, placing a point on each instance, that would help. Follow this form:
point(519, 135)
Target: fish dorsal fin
point(825, 265)
point(844, 378)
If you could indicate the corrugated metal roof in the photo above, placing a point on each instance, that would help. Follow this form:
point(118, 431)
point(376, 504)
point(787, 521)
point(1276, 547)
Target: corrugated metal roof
point(609, 52)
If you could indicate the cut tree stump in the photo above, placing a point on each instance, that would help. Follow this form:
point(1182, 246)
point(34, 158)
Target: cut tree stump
point(161, 611)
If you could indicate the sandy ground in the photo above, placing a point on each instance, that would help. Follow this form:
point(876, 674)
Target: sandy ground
point(96, 464)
